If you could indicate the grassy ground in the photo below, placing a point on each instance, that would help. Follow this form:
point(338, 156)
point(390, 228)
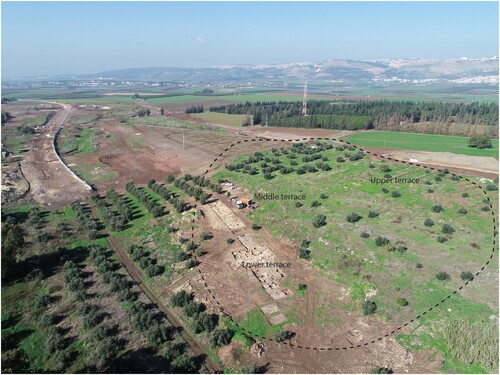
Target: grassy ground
point(421, 142)
point(153, 234)
point(340, 253)
point(82, 141)
point(220, 118)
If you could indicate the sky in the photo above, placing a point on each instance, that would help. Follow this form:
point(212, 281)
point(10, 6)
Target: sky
point(49, 38)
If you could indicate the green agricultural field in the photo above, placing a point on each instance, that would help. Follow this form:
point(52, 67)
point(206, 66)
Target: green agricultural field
point(220, 118)
point(405, 264)
point(232, 98)
point(421, 142)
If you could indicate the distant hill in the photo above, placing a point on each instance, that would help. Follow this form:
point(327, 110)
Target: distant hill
point(460, 71)
point(483, 70)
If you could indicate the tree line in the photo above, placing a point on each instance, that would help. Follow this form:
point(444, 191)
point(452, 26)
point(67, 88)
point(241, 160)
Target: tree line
point(367, 114)
point(195, 109)
point(152, 206)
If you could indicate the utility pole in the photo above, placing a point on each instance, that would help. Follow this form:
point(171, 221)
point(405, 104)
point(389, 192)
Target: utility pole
point(183, 140)
point(304, 103)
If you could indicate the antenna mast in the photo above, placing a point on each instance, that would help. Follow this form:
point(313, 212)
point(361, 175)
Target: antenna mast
point(304, 103)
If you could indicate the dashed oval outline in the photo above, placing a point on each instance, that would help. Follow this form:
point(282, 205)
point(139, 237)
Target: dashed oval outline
point(314, 348)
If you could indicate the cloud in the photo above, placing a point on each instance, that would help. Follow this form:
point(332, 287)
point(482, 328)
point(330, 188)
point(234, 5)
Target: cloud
point(200, 40)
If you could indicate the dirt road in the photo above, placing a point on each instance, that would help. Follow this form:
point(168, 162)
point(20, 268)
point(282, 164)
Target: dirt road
point(51, 183)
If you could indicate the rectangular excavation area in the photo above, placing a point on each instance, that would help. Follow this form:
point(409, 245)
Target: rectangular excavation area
point(260, 260)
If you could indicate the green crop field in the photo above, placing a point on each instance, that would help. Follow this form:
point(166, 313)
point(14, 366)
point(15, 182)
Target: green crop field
point(405, 266)
point(232, 98)
point(421, 142)
point(220, 118)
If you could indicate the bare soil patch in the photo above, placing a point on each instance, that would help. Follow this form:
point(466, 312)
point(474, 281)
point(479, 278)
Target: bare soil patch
point(461, 164)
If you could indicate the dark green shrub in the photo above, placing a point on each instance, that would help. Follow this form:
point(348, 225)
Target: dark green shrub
point(428, 222)
point(365, 235)
point(419, 265)
point(191, 246)
point(442, 276)
point(298, 204)
point(462, 211)
point(192, 308)
point(372, 214)
point(92, 318)
point(353, 217)
point(54, 341)
point(447, 229)
point(315, 204)
point(491, 187)
point(385, 191)
point(403, 302)
point(467, 276)
point(205, 236)
point(480, 141)
point(381, 241)
point(255, 226)
point(395, 194)
point(305, 253)
point(280, 336)
point(184, 364)
point(126, 295)
point(437, 208)
point(442, 239)
point(465, 195)
point(381, 370)
point(369, 307)
point(154, 270)
point(485, 208)
point(230, 241)
point(220, 337)
point(205, 322)
point(181, 299)
point(319, 221)
point(401, 248)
